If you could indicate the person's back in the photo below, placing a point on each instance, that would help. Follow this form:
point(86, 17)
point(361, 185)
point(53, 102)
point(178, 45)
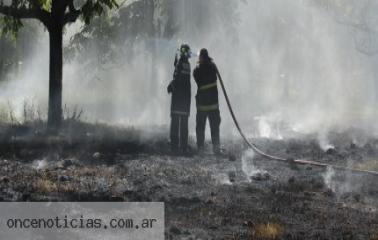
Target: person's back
point(180, 105)
point(205, 75)
point(181, 94)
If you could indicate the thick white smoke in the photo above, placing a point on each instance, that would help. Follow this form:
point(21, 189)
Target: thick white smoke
point(287, 64)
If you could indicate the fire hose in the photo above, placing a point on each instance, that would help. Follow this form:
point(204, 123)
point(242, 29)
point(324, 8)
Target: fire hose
point(276, 158)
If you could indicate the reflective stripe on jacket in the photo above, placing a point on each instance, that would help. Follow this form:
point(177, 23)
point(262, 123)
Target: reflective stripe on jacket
point(208, 86)
point(207, 108)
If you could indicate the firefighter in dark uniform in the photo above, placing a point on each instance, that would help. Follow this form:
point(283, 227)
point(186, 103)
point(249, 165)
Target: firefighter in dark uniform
point(181, 96)
point(205, 75)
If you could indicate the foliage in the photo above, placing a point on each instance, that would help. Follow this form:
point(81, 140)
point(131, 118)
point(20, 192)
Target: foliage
point(15, 48)
point(143, 20)
point(10, 26)
point(48, 11)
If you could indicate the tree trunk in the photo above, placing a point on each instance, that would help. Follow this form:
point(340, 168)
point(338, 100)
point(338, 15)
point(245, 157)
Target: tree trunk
point(55, 80)
point(2, 53)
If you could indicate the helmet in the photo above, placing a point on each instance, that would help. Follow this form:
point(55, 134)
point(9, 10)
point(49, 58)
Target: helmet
point(204, 53)
point(185, 50)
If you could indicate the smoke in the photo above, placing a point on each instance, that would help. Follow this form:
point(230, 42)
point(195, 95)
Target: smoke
point(323, 140)
point(343, 184)
point(247, 163)
point(268, 127)
point(328, 178)
point(287, 64)
point(40, 164)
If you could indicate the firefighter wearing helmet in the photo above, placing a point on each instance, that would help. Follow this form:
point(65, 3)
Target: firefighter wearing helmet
point(180, 89)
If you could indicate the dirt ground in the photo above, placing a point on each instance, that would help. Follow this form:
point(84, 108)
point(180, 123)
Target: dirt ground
point(235, 196)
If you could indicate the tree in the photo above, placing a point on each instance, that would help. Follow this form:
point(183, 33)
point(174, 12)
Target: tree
point(54, 14)
point(136, 25)
point(150, 22)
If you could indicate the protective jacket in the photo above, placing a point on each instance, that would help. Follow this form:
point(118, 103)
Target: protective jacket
point(180, 88)
point(205, 75)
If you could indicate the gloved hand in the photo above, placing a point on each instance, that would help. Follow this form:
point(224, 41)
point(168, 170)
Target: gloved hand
point(170, 88)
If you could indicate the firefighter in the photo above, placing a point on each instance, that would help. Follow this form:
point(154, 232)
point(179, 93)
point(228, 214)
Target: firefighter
point(205, 75)
point(181, 96)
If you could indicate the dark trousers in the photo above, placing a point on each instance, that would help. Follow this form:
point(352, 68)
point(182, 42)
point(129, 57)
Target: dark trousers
point(179, 132)
point(215, 120)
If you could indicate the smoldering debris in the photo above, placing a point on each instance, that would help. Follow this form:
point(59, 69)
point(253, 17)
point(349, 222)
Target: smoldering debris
point(206, 188)
point(250, 170)
point(328, 178)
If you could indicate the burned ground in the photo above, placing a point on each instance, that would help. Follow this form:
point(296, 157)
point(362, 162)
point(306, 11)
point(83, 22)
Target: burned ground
point(235, 196)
